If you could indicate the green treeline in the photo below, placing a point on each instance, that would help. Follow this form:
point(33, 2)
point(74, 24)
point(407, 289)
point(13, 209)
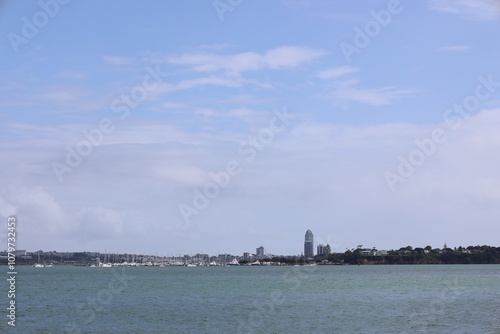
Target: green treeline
point(431, 258)
point(406, 255)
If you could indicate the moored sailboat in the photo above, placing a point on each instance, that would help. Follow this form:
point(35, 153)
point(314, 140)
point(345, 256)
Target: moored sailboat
point(38, 264)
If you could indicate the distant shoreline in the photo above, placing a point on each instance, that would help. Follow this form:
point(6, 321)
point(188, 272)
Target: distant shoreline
point(279, 265)
point(404, 256)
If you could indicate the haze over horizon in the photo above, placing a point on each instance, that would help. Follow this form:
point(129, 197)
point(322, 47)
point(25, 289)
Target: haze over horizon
point(182, 127)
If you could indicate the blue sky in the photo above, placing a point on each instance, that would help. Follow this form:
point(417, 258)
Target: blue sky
point(161, 96)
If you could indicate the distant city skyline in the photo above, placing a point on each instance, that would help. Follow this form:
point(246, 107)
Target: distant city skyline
point(258, 255)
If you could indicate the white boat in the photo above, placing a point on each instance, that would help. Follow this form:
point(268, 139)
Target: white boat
point(38, 264)
point(50, 264)
point(106, 263)
point(234, 263)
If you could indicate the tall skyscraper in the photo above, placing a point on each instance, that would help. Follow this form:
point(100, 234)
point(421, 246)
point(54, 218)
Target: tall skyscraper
point(260, 252)
point(309, 245)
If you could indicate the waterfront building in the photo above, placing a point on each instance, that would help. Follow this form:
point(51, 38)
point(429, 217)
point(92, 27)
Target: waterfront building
point(309, 245)
point(260, 252)
point(321, 249)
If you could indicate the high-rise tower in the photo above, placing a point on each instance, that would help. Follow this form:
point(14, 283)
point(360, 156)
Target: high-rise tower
point(309, 245)
point(260, 252)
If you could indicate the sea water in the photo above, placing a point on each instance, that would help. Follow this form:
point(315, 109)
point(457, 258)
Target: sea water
point(265, 299)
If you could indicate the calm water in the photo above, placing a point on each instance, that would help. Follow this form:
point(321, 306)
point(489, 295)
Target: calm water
point(321, 299)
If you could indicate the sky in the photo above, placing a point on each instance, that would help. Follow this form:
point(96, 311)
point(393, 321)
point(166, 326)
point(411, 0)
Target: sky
point(183, 127)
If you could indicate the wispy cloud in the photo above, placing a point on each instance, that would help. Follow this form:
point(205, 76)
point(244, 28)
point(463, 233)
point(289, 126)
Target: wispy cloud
point(374, 96)
point(454, 48)
point(347, 90)
point(227, 70)
point(244, 114)
point(114, 60)
point(173, 105)
point(477, 10)
point(336, 72)
point(278, 58)
point(221, 80)
point(247, 115)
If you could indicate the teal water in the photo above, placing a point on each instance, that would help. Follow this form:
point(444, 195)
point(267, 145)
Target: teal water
point(321, 299)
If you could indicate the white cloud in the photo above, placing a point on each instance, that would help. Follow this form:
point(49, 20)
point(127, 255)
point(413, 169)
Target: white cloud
point(247, 114)
point(180, 172)
point(60, 96)
point(348, 90)
point(375, 96)
point(278, 58)
point(477, 10)
point(36, 207)
point(454, 48)
point(207, 112)
point(217, 81)
point(290, 56)
point(173, 105)
point(222, 80)
point(336, 72)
